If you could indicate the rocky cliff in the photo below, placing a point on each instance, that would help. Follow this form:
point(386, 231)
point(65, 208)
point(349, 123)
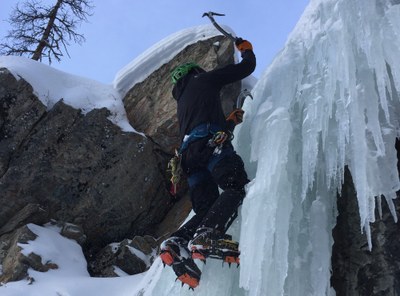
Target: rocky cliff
point(81, 169)
point(356, 270)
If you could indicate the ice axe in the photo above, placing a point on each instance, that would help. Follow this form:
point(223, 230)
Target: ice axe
point(210, 15)
point(242, 96)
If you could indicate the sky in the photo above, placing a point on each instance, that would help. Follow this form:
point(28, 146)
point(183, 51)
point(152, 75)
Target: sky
point(120, 30)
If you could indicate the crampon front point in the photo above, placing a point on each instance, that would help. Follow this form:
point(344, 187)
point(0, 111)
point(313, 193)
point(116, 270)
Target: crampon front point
point(224, 249)
point(185, 269)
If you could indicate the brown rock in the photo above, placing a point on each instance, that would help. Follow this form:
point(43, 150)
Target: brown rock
point(74, 232)
point(131, 256)
point(15, 264)
point(149, 104)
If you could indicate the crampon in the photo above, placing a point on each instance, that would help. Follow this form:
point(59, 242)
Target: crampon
point(176, 256)
point(224, 249)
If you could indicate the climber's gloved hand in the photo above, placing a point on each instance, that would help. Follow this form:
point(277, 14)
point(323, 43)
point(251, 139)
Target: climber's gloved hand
point(243, 45)
point(236, 116)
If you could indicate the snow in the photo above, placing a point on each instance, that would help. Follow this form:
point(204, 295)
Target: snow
point(330, 99)
point(71, 277)
point(160, 53)
point(50, 243)
point(51, 85)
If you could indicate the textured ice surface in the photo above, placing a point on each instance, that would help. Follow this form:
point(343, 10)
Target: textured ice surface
point(330, 99)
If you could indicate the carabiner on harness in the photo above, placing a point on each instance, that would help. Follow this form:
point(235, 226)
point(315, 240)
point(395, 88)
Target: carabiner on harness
point(218, 140)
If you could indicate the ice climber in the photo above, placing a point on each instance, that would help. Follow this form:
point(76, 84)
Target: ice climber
point(208, 160)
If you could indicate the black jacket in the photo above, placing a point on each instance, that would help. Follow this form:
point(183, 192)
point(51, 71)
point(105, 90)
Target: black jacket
point(198, 94)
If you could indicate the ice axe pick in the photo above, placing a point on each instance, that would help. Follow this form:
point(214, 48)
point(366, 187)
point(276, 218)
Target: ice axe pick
point(210, 15)
point(242, 96)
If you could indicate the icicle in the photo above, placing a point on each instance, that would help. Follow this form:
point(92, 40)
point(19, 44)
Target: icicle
point(389, 200)
point(379, 202)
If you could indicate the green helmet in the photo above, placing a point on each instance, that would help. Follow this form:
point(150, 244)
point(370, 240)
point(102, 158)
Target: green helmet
point(181, 71)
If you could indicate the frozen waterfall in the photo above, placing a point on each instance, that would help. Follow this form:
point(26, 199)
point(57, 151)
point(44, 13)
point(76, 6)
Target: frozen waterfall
point(330, 99)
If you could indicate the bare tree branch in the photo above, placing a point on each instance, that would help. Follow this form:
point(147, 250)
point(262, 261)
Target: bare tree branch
point(40, 31)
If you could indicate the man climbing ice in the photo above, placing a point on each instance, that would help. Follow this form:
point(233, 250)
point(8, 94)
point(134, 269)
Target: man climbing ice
point(208, 160)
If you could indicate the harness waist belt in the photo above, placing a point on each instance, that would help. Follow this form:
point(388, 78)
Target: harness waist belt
point(200, 131)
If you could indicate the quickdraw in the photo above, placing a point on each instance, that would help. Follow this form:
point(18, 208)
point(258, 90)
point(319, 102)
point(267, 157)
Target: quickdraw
point(174, 166)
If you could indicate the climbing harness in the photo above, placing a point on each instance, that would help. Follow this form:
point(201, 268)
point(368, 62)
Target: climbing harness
point(218, 140)
point(219, 137)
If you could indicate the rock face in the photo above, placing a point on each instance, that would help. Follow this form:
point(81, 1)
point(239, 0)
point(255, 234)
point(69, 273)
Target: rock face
point(31, 213)
point(77, 168)
point(131, 256)
point(82, 169)
point(355, 269)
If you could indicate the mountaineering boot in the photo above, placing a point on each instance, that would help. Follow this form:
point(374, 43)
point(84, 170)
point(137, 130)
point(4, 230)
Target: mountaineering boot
point(173, 249)
point(174, 252)
point(211, 243)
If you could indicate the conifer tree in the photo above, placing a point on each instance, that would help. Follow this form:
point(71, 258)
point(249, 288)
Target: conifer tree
point(41, 31)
